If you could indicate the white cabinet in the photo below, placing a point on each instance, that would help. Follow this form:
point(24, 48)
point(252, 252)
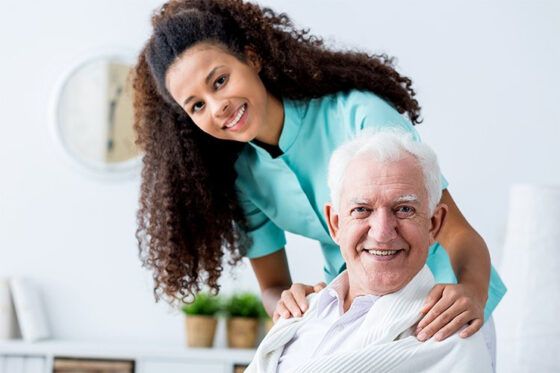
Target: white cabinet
point(181, 367)
point(23, 357)
point(22, 364)
point(12, 364)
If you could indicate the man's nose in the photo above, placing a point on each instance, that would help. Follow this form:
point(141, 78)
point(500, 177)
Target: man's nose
point(382, 226)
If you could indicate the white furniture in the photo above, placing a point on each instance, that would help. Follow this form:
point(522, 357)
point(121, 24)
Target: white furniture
point(528, 330)
point(22, 357)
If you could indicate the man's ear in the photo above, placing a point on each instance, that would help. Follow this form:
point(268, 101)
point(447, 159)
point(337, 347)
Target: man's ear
point(437, 220)
point(253, 58)
point(332, 221)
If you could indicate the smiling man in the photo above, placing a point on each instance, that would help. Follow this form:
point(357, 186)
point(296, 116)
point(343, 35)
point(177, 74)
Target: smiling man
point(384, 215)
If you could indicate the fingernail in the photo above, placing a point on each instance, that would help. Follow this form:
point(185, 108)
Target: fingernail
point(438, 337)
point(422, 336)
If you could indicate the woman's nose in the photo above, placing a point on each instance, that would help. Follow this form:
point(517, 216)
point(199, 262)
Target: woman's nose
point(221, 108)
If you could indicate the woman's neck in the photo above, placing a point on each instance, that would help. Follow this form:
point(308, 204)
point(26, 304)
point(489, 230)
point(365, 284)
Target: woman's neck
point(272, 128)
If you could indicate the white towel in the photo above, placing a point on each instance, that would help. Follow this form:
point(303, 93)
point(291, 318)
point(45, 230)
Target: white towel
point(385, 342)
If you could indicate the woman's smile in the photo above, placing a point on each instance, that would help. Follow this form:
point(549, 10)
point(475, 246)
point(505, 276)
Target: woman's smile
point(238, 119)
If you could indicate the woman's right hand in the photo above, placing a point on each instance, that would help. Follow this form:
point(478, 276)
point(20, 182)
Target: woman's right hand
point(293, 301)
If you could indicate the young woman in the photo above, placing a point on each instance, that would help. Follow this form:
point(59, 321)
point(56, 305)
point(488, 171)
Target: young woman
point(238, 113)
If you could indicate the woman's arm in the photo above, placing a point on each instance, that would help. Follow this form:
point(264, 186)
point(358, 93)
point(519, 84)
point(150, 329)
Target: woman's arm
point(466, 249)
point(273, 275)
point(280, 297)
point(449, 307)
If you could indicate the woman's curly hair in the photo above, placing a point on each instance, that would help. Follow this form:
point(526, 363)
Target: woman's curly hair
point(189, 214)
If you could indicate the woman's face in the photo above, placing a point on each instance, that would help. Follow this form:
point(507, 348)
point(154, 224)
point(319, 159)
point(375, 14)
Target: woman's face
point(224, 96)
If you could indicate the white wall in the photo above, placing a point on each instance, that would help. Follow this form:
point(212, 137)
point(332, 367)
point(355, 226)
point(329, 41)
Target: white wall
point(486, 76)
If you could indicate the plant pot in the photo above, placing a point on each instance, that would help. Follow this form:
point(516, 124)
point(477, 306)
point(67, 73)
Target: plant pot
point(242, 332)
point(200, 330)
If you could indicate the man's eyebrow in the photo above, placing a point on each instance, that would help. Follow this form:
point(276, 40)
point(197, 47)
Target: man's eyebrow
point(407, 198)
point(206, 81)
point(360, 201)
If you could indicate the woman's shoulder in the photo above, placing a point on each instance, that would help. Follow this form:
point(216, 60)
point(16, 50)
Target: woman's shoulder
point(343, 102)
point(354, 98)
point(363, 109)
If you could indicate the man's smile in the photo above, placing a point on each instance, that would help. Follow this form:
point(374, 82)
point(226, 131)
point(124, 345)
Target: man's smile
point(382, 255)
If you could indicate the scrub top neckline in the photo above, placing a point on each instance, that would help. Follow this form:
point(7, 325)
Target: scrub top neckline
point(290, 130)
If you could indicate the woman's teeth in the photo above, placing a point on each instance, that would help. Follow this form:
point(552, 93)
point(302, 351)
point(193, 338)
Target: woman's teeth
point(382, 252)
point(237, 117)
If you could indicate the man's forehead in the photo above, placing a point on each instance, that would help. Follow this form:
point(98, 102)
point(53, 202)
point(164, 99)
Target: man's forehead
point(368, 199)
point(369, 181)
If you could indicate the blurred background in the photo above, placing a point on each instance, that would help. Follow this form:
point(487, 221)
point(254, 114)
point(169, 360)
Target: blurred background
point(486, 76)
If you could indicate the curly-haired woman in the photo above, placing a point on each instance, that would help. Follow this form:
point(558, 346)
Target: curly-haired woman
point(238, 113)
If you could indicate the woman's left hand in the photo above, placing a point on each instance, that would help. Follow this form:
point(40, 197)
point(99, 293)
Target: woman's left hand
point(447, 309)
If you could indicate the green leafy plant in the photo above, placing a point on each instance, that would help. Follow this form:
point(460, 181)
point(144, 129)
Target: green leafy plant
point(204, 304)
point(244, 305)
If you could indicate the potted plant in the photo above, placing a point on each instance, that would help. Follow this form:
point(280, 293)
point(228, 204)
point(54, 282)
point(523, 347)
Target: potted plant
point(244, 311)
point(201, 319)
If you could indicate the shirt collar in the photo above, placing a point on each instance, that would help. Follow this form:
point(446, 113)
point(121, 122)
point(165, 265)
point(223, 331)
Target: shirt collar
point(336, 291)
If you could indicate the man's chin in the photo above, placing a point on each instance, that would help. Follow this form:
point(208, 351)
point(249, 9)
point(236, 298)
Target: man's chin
point(383, 285)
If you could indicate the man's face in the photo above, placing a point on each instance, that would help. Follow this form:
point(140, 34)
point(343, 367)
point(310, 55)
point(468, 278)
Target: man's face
point(383, 224)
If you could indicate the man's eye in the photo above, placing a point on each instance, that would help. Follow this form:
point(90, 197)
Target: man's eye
point(359, 211)
point(404, 211)
point(220, 81)
point(197, 107)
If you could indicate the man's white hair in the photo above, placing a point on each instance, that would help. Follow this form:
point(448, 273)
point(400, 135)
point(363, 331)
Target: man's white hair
point(385, 146)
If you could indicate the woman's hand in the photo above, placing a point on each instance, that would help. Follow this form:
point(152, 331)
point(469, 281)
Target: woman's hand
point(448, 308)
point(293, 301)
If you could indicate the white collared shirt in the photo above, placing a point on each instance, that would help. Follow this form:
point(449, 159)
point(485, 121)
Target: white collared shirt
point(327, 332)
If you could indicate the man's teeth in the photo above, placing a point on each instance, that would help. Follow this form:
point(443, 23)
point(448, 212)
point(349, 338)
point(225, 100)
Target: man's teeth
point(237, 117)
point(382, 252)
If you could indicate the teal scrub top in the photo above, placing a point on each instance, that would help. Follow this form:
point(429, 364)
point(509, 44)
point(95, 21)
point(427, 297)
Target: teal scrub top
point(288, 193)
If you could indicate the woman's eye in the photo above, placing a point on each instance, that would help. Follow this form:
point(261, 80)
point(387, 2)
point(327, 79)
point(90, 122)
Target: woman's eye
point(197, 107)
point(404, 211)
point(220, 81)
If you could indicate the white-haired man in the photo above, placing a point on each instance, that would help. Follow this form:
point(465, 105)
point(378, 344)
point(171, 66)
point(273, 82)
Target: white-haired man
point(384, 215)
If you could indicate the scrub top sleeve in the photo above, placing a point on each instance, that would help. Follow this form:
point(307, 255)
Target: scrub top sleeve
point(368, 111)
point(266, 236)
point(444, 182)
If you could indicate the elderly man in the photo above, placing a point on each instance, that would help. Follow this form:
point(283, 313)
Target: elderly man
point(384, 215)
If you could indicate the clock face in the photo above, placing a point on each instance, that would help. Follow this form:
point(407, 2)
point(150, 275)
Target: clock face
point(94, 115)
point(120, 132)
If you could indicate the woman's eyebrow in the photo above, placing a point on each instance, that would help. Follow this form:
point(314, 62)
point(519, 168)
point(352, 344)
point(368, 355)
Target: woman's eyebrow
point(206, 81)
point(211, 73)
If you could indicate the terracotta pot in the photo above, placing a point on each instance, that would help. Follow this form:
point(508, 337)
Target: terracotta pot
point(242, 332)
point(200, 330)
